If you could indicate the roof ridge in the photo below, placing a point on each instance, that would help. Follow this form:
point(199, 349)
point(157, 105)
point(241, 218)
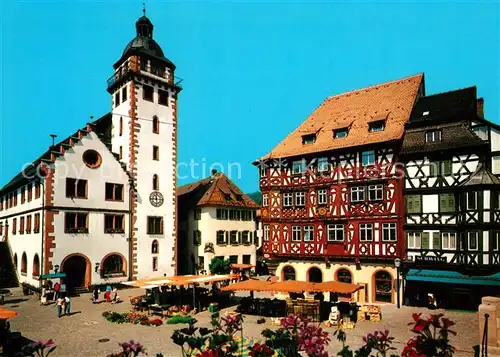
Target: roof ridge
point(452, 90)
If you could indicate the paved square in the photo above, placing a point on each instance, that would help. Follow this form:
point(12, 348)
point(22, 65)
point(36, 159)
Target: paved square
point(79, 334)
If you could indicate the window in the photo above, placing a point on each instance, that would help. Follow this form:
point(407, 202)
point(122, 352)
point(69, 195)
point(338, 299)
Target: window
point(30, 194)
point(262, 169)
point(156, 125)
point(322, 197)
point(114, 192)
point(433, 136)
point(92, 159)
point(413, 203)
point(383, 286)
point(389, 233)
point(340, 133)
point(155, 247)
point(28, 223)
point(113, 223)
point(113, 265)
point(296, 233)
point(246, 259)
point(155, 225)
point(344, 276)
point(315, 275)
point(156, 182)
point(221, 237)
point(266, 233)
point(308, 139)
point(201, 262)
point(76, 188)
point(308, 233)
point(76, 222)
point(36, 266)
point(197, 214)
point(21, 225)
point(287, 199)
point(447, 202)
point(449, 240)
point(414, 240)
point(376, 126)
point(36, 227)
point(473, 238)
point(120, 153)
point(265, 198)
point(233, 259)
point(495, 241)
point(368, 158)
point(299, 167)
point(117, 98)
point(156, 153)
point(300, 198)
point(24, 264)
point(481, 132)
point(37, 189)
point(124, 94)
point(15, 197)
point(23, 195)
point(323, 164)
point(375, 192)
point(222, 213)
point(471, 200)
point(235, 215)
point(155, 263)
point(246, 238)
point(255, 238)
point(357, 194)
point(335, 232)
point(197, 237)
point(162, 97)
point(365, 232)
point(14, 224)
point(446, 168)
point(147, 93)
point(288, 273)
point(120, 133)
point(233, 237)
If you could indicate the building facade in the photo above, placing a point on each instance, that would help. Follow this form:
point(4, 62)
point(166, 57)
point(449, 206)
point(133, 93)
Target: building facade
point(452, 193)
point(93, 204)
point(216, 219)
point(332, 191)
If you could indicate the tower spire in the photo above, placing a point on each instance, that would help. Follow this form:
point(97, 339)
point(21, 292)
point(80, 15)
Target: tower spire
point(144, 8)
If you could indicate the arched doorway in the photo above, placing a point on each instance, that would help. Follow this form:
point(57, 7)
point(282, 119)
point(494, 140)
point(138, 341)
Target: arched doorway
point(383, 286)
point(344, 276)
point(288, 273)
point(77, 269)
point(315, 275)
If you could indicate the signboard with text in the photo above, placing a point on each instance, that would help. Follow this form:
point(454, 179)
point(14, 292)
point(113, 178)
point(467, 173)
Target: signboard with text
point(430, 259)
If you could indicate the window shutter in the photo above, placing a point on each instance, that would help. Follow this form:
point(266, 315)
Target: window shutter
point(444, 202)
point(446, 167)
point(436, 240)
point(240, 234)
point(425, 240)
point(417, 203)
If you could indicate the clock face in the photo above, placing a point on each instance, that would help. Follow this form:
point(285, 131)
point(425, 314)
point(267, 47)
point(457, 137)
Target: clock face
point(156, 199)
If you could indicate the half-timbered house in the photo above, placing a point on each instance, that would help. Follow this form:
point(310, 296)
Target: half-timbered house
point(332, 193)
point(452, 193)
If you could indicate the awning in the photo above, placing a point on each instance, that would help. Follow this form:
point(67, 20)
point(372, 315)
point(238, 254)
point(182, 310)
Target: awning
point(249, 285)
point(293, 286)
point(179, 280)
point(53, 275)
point(452, 277)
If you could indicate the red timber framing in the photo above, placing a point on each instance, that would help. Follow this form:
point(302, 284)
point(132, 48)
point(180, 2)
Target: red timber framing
point(345, 172)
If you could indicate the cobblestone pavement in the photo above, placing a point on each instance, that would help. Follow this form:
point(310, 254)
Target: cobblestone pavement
point(79, 334)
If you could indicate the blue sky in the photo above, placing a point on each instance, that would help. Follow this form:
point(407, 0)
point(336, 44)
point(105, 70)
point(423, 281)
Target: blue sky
point(252, 71)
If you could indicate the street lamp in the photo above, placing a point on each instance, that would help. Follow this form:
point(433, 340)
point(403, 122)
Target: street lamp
point(397, 264)
point(97, 267)
point(56, 268)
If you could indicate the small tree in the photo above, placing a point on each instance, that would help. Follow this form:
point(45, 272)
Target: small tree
point(220, 265)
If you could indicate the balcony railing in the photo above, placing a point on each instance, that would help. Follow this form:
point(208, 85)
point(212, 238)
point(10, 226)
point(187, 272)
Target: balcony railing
point(124, 70)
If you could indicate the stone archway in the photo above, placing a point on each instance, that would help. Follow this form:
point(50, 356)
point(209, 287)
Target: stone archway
point(78, 271)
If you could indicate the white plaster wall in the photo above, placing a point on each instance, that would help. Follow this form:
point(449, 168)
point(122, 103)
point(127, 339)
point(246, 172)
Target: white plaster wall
point(430, 203)
point(495, 139)
point(123, 141)
point(96, 244)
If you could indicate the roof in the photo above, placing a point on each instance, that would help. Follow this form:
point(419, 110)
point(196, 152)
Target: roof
point(101, 126)
point(460, 103)
point(453, 136)
point(482, 176)
point(390, 101)
point(218, 190)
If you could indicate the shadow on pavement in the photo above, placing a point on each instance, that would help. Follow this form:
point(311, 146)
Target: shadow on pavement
point(15, 301)
point(16, 345)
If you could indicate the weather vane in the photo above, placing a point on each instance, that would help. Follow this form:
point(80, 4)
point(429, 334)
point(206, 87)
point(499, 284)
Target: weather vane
point(144, 8)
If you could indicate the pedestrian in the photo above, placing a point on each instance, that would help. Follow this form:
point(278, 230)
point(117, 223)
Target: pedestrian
point(107, 296)
point(67, 305)
point(108, 288)
point(57, 289)
point(59, 304)
point(95, 295)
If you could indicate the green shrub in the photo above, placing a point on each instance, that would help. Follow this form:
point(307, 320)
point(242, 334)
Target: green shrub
point(178, 319)
point(220, 265)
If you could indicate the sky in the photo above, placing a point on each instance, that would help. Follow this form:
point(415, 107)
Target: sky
point(252, 71)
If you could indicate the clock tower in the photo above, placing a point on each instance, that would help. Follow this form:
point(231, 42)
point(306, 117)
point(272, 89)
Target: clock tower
point(144, 94)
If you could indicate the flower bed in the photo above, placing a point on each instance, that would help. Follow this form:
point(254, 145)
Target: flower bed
point(180, 319)
point(131, 317)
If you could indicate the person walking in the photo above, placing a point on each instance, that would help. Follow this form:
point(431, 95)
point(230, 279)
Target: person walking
point(57, 289)
point(95, 295)
point(67, 305)
point(59, 304)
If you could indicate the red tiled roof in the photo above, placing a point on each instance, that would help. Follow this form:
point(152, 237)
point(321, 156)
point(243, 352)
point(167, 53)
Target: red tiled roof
point(392, 101)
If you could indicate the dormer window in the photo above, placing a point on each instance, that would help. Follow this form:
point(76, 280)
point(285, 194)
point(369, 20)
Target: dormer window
point(433, 136)
point(425, 114)
point(308, 139)
point(299, 167)
point(376, 126)
point(227, 196)
point(340, 133)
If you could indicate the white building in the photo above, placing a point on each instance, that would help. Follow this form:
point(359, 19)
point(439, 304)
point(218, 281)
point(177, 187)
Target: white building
point(216, 219)
point(100, 205)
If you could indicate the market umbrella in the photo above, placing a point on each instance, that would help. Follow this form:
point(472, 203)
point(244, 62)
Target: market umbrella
point(249, 285)
point(336, 287)
point(6, 314)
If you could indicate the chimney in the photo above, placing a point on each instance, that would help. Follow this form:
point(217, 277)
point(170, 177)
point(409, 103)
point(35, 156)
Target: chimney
point(53, 136)
point(480, 108)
